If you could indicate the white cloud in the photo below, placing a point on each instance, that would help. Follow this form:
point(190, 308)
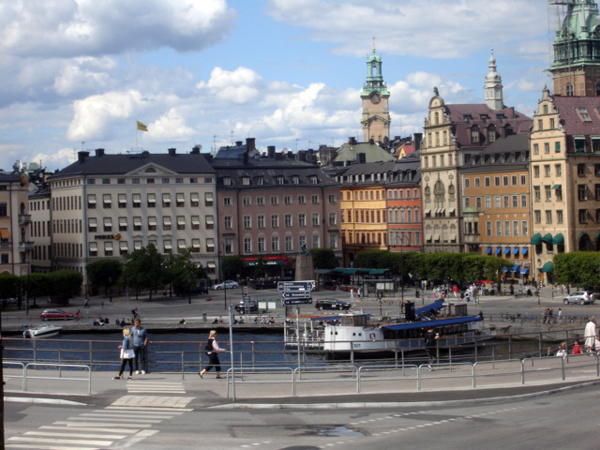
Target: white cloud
point(238, 86)
point(83, 75)
point(61, 158)
point(434, 29)
point(170, 127)
point(87, 27)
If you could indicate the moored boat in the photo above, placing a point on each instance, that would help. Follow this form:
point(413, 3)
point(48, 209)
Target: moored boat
point(41, 331)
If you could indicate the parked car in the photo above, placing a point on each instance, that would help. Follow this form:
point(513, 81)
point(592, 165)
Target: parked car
point(247, 307)
point(9, 301)
point(227, 284)
point(326, 303)
point(56, 314)
point(265, 284)
point(580, 297)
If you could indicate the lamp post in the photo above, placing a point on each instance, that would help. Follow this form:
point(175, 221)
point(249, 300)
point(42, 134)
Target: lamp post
point(222, 250)
point(110, 289)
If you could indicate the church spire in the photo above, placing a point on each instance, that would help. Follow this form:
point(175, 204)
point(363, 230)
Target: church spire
point(376, 116)
point(493, 87)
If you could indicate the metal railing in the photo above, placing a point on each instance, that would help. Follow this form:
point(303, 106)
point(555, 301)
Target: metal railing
point(50, 372)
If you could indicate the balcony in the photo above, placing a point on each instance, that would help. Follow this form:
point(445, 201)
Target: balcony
point(471, 238)
point(25, 247)
point(24, 219)
point(5, 246)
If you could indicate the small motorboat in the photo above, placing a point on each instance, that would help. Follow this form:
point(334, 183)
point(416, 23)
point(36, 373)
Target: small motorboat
point(41, 331)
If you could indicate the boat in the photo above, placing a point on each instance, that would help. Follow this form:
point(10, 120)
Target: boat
point(359, 334)
point(41, 331)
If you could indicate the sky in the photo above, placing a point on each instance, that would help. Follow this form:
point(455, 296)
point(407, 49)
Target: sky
point(77, 75)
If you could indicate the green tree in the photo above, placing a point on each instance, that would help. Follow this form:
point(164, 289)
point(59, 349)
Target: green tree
point(143, 270)
point(186, 273)
point(65, 284)
point(578, 268)
point(37, 285)
point(323, 258)
point(104, 272)
point(9, 286)
point(232, 265)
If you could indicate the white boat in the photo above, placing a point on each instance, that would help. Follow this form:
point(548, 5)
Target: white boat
point(41, 331)
point(358, 334)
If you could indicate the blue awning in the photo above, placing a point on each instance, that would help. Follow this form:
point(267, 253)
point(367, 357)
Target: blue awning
point(516, 267)
point(507, 251)
point(438, 304)
point(505, 269)
point(431, 323)
point(516, 251)
point(488, 251)
point(498, 250)
point(524, 271)
point(524, 251)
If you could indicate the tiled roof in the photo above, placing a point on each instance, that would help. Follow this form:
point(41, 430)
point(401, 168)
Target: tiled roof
point(571, 121)
point(189, 163)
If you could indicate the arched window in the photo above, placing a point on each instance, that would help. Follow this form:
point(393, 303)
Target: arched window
point(417, 218)
point(439, 193)
point(427, 193)
point(570, 90)
point(390, 218)
point(545, 108)
point(437, 118)
point(408, 215)
point(402, 215)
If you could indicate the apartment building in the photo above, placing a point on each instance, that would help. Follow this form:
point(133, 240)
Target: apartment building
point(105, 206)
point(15, 243)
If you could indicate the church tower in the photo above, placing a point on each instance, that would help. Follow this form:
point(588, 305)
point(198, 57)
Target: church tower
point(493, 87)
point(376, 115)
point(576, 67)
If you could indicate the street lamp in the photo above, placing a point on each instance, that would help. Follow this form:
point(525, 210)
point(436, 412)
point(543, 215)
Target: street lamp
point(222, 264)
point(110, 289)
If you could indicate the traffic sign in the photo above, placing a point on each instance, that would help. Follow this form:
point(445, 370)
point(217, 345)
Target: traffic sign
point(283, 286)
point(296, 294)
point(297, 301)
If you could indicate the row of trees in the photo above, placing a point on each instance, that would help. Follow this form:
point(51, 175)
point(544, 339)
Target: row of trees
point(436, 267)
point(578, 268)
point(60, 286)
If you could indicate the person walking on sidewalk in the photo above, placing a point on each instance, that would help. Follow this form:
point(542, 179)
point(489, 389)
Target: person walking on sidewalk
point(430, 344)
point(589, 334)
point(140, 343)
point(212, 350)
point(126, 355)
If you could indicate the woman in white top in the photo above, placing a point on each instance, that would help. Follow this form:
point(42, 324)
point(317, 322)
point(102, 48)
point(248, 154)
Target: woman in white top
point(590, 334)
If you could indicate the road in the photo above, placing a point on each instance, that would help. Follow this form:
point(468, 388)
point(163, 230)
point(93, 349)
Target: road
point(563, 420)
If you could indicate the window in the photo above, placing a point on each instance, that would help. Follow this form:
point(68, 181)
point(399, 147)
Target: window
point(487, 182)
point(274, 220)
point(316, 241)
point(515, 228)
point(122, 223)
point(181, 222)
point(179, 180)
point(583, 216)
point(227, 201)
point(552, 124)
point(548, 191)
point(167, 223)
point(505, 180)
point(558, 170)
point(152, 223)
point(208, 199)
point(580, 145)
point(559, 216)
point(180, 199)
point(279, 180)
point(247, 222)
point(151, 199)
point(194, 199)
point(488, 228)
point(135, 181)
point(226, 181)
point(287, 199)
point(301, 200)
point(523, 180)
point(557, 147)
point(536, 171)
point(209, 222)
point(546, 148)
point(498, 228)
point(332, 219)
point(149, 180)
point(332, 198)
point(137, 200)
point(523, 201)
point(260, 201)
point(166, 200)
point(274, 200)
point(315, 220)
point(122, 200)
point(524, 228)
point(537, 214)
point(210, 245)
point(295, 179)
point(315, 199)
point(275, 243)
point(261, 221)
point(488, 202)
point(583, 114)
point(581, 170)
point(167, 246)
point(246, 181)
point(475, 136)
point(536, 149)
point(302, 220)
point(92, 224)
point(547, 170)
point(515, 201)
point(123, 247)
point(289, 243)
point(107, 224)
point(288, 220)
point(91, 200)
point(507, 228)
point(105, 180)
point(537, 194)
point(548, 217)
point(262, 247)
point(246, 201)
point(513, 180)
point(497, 202)
point(496, 181)
point(467, 183)
point(581, 192)
point(108, 248)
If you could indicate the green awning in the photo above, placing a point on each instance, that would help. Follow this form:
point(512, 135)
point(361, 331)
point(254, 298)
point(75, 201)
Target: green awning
point(559, 239)
point(342, 271)
point(582, 235)
point(548, 267)
point(536, 239)
point(556, 186)
point(548, 238)
point(377, 271)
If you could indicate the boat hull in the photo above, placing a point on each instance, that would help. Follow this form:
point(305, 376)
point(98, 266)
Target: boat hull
point(41, 332)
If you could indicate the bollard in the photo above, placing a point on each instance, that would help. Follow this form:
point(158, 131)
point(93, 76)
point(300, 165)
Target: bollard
point(203, 317)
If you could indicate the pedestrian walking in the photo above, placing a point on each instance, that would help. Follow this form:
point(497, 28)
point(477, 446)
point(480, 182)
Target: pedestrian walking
point(127, 355)
point(430, 346)
point(87, 302)
point(590, 334)
point(140, 342)
point(212, 350)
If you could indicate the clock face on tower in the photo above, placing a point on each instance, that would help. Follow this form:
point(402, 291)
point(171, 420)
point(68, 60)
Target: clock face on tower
point(375, 98)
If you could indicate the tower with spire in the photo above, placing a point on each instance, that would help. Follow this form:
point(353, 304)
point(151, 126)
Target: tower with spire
point(576, 67)
point(493, 87)
point(376, 115)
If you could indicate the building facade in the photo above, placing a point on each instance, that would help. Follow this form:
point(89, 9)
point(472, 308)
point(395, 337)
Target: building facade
point(105, 206)
point(15, 221)
point(375, 101)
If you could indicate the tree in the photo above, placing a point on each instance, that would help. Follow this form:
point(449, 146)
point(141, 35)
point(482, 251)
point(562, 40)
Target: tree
point(65, 284)
point(578, 268)
point(186, 273)
point(323, 258)
point(104, 272)
point(232, 265)
point(9, 286)
point(37, 285)
point(143, 269)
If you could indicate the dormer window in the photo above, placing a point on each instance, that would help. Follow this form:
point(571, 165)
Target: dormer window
point(246, 181)
point(279, 180)
point(260, 181)
point(500, 117)
point(226, 181)
point(583, 114)
point(468, 117)
point(475, 135)
point(314, 179)
point(295, 179)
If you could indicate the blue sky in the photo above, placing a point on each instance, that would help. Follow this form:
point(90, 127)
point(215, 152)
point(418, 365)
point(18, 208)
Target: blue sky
point(78, 74)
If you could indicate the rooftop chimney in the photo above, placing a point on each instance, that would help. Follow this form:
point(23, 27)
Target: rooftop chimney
point(196, 150)
point(251, 144)
point(418, 138)
point(352, 141)
point(99, 152)
point(238, 143)
point(172, 151)
point(82, 155)
point(271, 151)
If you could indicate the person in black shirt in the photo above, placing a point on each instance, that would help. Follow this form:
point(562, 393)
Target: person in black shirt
point(430, 346)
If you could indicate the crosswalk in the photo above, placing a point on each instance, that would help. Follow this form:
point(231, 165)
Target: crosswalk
point(128, 420)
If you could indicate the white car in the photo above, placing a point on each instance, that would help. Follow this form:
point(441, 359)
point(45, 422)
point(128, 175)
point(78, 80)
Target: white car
point(227, 284)
point(580, 297)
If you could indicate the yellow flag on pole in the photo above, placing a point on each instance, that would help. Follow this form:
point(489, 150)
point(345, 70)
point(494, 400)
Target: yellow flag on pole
point(141, 126)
